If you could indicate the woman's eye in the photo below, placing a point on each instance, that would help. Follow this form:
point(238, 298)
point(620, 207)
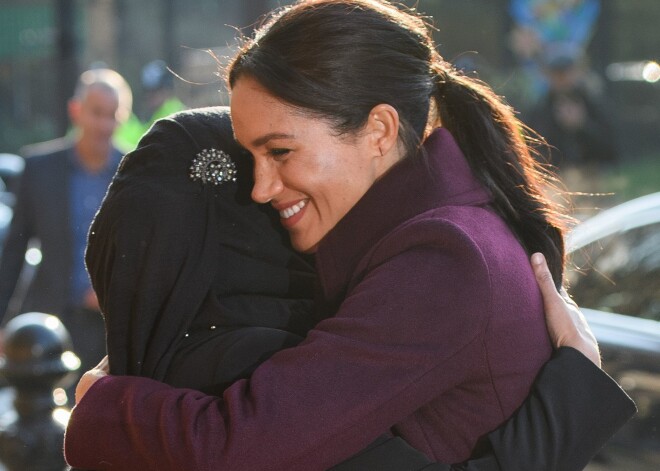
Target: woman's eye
point(278, 153)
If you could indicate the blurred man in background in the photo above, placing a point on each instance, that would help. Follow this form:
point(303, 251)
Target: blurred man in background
point(62, 187)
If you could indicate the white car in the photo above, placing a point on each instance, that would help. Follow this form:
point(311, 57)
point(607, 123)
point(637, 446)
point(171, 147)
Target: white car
point(614, 275)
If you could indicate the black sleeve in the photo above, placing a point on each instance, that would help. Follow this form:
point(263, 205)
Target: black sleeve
point(573, 409)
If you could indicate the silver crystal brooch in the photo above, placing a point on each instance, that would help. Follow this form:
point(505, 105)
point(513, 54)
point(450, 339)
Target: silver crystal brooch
point(213, 166)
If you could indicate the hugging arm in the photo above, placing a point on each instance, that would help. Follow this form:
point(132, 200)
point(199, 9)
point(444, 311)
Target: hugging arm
point(573, 407)
point(140, 414)
point(572, 410)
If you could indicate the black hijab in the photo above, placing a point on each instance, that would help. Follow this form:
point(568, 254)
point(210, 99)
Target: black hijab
point(165, 241)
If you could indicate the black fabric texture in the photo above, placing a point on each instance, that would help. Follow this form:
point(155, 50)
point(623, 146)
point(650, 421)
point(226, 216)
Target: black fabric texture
point(573, 409)
point(389, 454)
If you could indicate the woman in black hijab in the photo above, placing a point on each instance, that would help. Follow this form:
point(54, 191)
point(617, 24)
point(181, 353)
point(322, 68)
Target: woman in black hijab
point(198, 285)
point(196, 282)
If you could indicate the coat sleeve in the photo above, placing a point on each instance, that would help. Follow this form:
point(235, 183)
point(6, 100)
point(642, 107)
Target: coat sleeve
point(307, 408)
point(21, 230)
point(572, 410)
point(374, 363)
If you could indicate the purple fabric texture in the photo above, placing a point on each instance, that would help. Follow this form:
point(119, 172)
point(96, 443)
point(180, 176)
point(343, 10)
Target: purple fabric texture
point(437, 334)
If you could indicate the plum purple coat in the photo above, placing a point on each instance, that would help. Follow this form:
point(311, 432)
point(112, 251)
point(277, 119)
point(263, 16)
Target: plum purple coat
point(436, 334)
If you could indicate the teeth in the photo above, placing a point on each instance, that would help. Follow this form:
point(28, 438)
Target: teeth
point(290, 211)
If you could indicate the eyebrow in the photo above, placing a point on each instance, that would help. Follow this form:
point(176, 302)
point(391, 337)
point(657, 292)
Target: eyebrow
point(260, 141)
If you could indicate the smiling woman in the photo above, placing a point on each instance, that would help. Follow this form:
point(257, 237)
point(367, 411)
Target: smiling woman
point(309, 175)
point(419, 196)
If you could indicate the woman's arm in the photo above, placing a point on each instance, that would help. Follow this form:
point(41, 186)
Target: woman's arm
point(140, 417)
point(573, 407)
point(572, 410)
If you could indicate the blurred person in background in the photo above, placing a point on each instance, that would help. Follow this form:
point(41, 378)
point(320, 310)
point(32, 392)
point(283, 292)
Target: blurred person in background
point(576, 121)
point(573, 115)
point(159, 101)
point(537, 23)
point(61, 189)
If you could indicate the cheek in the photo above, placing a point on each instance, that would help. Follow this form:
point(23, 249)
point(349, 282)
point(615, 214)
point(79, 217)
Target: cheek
point(354, 178)
point(340, 193)
point(334, 176)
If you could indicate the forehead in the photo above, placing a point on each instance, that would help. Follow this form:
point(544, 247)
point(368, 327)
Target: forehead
point(256, 113)
point(100, 96)
point(249, 99)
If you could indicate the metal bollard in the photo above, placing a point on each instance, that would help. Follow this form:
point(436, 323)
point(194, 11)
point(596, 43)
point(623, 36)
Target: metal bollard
point(36, 359)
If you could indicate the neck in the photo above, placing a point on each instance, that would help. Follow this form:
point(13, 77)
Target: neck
point(93, 158)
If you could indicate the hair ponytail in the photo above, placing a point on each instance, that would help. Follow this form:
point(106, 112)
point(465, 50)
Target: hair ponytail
point(495, 144)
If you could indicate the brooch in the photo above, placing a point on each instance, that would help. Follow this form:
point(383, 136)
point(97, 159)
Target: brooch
point(213, 166)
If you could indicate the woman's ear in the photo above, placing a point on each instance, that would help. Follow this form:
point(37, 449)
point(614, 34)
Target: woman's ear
point(382, 128)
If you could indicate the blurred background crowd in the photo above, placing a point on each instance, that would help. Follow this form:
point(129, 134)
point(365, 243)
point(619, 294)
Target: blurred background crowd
point(574, 58)
point(581, 72)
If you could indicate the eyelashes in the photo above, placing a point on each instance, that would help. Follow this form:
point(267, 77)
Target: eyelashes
point(278, 153)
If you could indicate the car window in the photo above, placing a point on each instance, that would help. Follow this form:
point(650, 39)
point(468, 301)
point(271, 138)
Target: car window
point(619, 273)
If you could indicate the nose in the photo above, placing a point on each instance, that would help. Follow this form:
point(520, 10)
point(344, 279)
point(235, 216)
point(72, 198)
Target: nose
point(267, 181)
point(105, 124)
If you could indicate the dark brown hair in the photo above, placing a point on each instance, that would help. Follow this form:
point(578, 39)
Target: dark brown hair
point(337, 59)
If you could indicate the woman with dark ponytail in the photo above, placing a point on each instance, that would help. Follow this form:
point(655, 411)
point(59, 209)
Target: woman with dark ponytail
point(414, 188)
point(495, 145)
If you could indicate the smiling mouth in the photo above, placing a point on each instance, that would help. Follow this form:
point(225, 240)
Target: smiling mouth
point(292, 210)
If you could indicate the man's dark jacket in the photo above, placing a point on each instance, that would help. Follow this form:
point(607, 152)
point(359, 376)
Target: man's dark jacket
point(41, 213)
